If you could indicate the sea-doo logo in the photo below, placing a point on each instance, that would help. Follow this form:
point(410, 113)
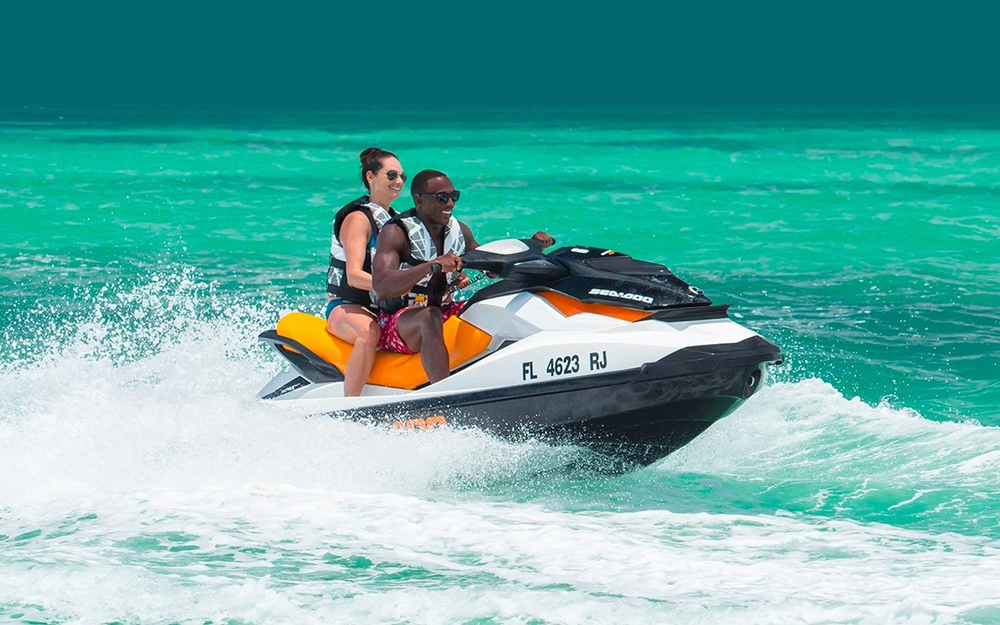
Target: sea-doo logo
point(632, 296)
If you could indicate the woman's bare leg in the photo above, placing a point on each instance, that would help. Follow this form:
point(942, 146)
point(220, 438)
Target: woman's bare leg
point(356, 325)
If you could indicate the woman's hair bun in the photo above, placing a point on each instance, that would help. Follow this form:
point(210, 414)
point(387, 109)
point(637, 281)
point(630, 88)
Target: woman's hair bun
point(371, 161)
point(369, 153)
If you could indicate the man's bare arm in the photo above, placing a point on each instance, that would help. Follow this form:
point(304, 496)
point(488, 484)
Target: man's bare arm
point(470, 241)
point(388, 279)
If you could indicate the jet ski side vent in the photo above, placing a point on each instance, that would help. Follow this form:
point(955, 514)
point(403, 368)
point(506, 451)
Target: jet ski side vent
point(692, 313)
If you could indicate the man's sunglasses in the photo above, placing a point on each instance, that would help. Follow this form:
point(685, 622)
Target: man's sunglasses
point(392, 174)
point(442, 196)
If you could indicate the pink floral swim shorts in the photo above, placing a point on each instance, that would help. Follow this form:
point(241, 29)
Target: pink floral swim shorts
point(390, 339)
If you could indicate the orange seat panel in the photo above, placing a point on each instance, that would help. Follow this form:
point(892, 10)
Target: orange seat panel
point(463, 340)
point(569, 307)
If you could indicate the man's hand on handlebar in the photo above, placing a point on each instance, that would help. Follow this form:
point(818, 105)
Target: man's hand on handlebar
point(449, 262)
point(544, 237)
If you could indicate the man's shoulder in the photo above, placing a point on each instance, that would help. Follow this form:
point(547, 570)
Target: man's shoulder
point(395, 236)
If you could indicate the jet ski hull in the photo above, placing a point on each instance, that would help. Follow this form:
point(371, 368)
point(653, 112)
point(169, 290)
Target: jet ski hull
point(638, 415)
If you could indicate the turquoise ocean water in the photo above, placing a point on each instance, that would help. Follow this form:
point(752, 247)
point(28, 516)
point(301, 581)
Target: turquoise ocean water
point(143, 248)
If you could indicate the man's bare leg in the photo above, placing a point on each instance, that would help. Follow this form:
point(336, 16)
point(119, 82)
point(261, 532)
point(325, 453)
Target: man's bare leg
point(421, 330)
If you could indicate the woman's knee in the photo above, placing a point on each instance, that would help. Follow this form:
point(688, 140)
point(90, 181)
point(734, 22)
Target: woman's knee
point(332, 321)
point(368, 335)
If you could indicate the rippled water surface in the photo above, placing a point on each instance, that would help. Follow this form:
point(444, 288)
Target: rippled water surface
point(143, 248)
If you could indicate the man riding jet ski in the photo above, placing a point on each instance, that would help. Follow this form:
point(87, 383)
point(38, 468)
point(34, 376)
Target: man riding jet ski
point(416, 264)
point(582, 344)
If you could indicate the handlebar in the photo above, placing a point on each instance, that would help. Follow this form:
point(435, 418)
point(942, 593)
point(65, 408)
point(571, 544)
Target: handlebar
point(516, 259)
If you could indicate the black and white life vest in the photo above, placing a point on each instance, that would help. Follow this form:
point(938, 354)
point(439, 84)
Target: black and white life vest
point(336, 276)
point(430, 289)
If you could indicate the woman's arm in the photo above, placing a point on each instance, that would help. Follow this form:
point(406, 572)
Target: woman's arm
point(355, 233)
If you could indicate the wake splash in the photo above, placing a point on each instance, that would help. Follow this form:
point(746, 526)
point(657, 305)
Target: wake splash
point(153, 385)
point(147, 485)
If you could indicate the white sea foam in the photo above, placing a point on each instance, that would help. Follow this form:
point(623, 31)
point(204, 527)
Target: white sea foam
point(262, 554)
point(808, 429)
point(143, 484)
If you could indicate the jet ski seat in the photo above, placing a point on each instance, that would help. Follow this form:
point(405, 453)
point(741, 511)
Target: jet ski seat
point(405, 371)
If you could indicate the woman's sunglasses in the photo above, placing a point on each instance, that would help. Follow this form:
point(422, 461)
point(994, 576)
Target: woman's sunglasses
point(442, 196)
point(392, 174)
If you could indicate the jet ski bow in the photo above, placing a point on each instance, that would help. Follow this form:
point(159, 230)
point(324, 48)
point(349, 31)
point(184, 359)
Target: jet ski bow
point(581, 344)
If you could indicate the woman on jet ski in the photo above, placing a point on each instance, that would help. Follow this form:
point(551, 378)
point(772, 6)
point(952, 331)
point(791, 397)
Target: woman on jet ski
point(350, 312)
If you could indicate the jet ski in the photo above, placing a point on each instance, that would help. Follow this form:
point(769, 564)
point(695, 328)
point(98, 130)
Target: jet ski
point(582, 345)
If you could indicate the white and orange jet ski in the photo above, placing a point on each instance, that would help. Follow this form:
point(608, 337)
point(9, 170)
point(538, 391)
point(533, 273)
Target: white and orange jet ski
point(581, 344)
